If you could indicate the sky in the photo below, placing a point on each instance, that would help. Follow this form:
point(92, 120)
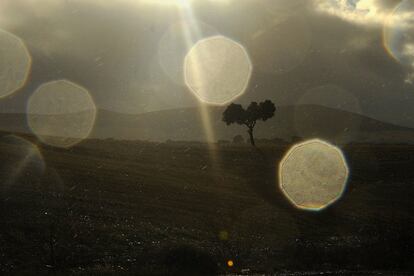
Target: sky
point(356, 55)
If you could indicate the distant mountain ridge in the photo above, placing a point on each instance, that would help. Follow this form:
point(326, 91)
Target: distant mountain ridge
point(290, 122)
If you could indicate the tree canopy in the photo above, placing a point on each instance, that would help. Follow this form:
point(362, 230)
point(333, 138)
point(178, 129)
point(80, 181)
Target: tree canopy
point(236, 114)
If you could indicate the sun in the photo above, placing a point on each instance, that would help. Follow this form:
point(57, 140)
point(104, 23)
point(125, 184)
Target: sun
point(179, 3)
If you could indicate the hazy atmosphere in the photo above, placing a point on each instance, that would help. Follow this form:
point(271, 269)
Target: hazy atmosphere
point(207, 137)
point(128, 53)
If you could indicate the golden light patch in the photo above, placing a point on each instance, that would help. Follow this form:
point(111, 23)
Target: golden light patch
point(224, 235)
point(61, 113)
point(313, 174)
point(217, 70)
point(230, 263)
point(15, 63)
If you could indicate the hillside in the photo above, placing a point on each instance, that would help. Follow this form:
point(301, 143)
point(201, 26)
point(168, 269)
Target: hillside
point(289, 121)
point(306, 121)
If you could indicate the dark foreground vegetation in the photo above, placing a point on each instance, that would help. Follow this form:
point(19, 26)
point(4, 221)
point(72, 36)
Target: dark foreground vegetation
point(177, 208)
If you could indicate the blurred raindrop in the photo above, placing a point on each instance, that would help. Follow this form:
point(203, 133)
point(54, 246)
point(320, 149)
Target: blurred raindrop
point(15, 63)
point(313, 174)
point(61, 113)
point(217, 70)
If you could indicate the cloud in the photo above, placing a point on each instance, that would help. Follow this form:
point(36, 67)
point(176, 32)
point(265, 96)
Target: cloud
point(361, 12)
point(396, 17)
point(108, 48)
point(366, 12)
point(111, 48)
point(408, 55)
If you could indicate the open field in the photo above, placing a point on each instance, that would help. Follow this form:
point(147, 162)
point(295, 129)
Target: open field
point(157, 208)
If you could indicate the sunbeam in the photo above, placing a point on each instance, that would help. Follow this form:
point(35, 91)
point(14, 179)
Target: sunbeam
point(192, 34)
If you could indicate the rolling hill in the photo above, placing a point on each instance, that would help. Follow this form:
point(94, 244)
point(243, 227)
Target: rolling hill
point(306, 121)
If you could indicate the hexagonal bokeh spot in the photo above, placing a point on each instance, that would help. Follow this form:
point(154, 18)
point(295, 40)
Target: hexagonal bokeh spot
point(313, 174)
point(15, 63)
point(61, 113)
point(217, 70)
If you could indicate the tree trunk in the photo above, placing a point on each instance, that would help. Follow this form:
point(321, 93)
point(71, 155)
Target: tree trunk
point(250, 131)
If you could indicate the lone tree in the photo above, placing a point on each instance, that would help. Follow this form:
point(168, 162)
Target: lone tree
point(235, 113)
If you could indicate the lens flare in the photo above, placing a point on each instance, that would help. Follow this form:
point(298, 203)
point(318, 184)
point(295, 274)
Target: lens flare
point(61, 113)
point(398, 36)
point(15, 63)
point(21, 159)
point(313, 175)
point(177, 3)
point(217, 70)
point(176, 43)
point(230, 263)
point(191, 32)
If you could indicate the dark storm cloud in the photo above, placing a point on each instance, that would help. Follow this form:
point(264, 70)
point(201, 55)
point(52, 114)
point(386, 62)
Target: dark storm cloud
point(377, 79)
point(110, 47)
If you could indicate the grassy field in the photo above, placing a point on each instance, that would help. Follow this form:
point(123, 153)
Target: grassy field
point(184, 208)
